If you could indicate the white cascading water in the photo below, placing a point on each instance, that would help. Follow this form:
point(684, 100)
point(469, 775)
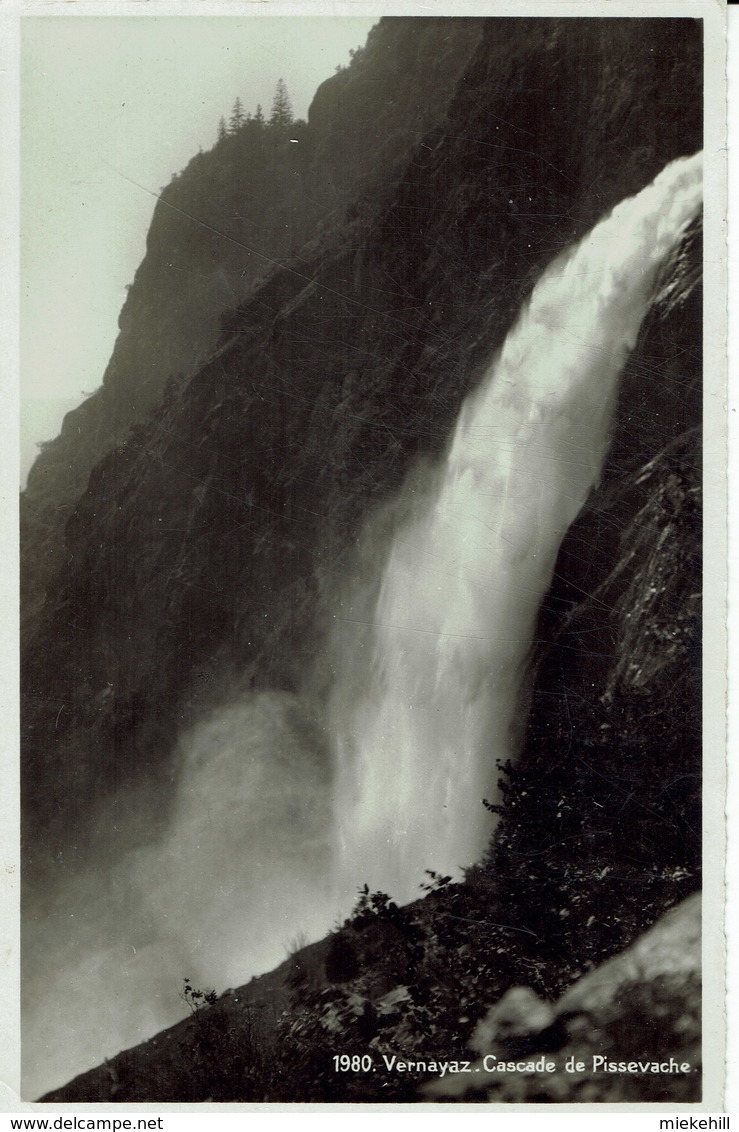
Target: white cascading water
point(427, 701)
point(423, 705)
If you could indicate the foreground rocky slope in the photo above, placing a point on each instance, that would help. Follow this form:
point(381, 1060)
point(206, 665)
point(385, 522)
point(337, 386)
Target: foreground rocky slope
point(629, 1031)
point(200, 558)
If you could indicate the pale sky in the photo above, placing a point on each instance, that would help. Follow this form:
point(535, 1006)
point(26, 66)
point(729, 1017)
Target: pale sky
point(137, 95)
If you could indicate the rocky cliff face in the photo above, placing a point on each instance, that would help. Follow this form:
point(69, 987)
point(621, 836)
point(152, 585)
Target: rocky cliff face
point(199, 557)
point(354, 366)
point(226, 221)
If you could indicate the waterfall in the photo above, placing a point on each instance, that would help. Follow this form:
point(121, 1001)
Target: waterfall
point(430, 652)
point(426, 700)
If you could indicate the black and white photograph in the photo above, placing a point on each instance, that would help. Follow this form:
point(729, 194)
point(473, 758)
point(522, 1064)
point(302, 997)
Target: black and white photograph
point(371, 659)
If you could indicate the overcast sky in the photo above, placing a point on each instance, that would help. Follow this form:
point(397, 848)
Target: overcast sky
point(104, 96)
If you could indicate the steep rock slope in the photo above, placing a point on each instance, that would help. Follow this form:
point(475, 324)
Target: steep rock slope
point(642, 1004)
point(221, 225)
point(353, 373)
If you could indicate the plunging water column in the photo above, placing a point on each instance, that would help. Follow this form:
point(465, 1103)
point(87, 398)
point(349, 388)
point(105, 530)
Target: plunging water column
point(426, 703)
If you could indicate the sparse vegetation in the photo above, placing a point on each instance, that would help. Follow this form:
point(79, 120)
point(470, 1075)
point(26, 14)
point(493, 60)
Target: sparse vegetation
point(281, 116)
point(196, 999)
point(221, 1049)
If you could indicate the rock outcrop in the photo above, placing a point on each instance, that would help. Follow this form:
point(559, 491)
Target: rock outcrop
point(629, 1031)
point(260, 199)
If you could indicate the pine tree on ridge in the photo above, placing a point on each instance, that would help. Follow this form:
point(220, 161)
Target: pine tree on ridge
point(237, 117)
point(282, 110)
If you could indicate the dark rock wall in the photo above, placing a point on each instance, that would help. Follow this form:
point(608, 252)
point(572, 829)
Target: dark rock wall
point(205, 540)
point(220, 226)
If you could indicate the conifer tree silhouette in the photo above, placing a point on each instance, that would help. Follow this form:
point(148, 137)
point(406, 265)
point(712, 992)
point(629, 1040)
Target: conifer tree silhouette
point(282, 111)
point(237, 117)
